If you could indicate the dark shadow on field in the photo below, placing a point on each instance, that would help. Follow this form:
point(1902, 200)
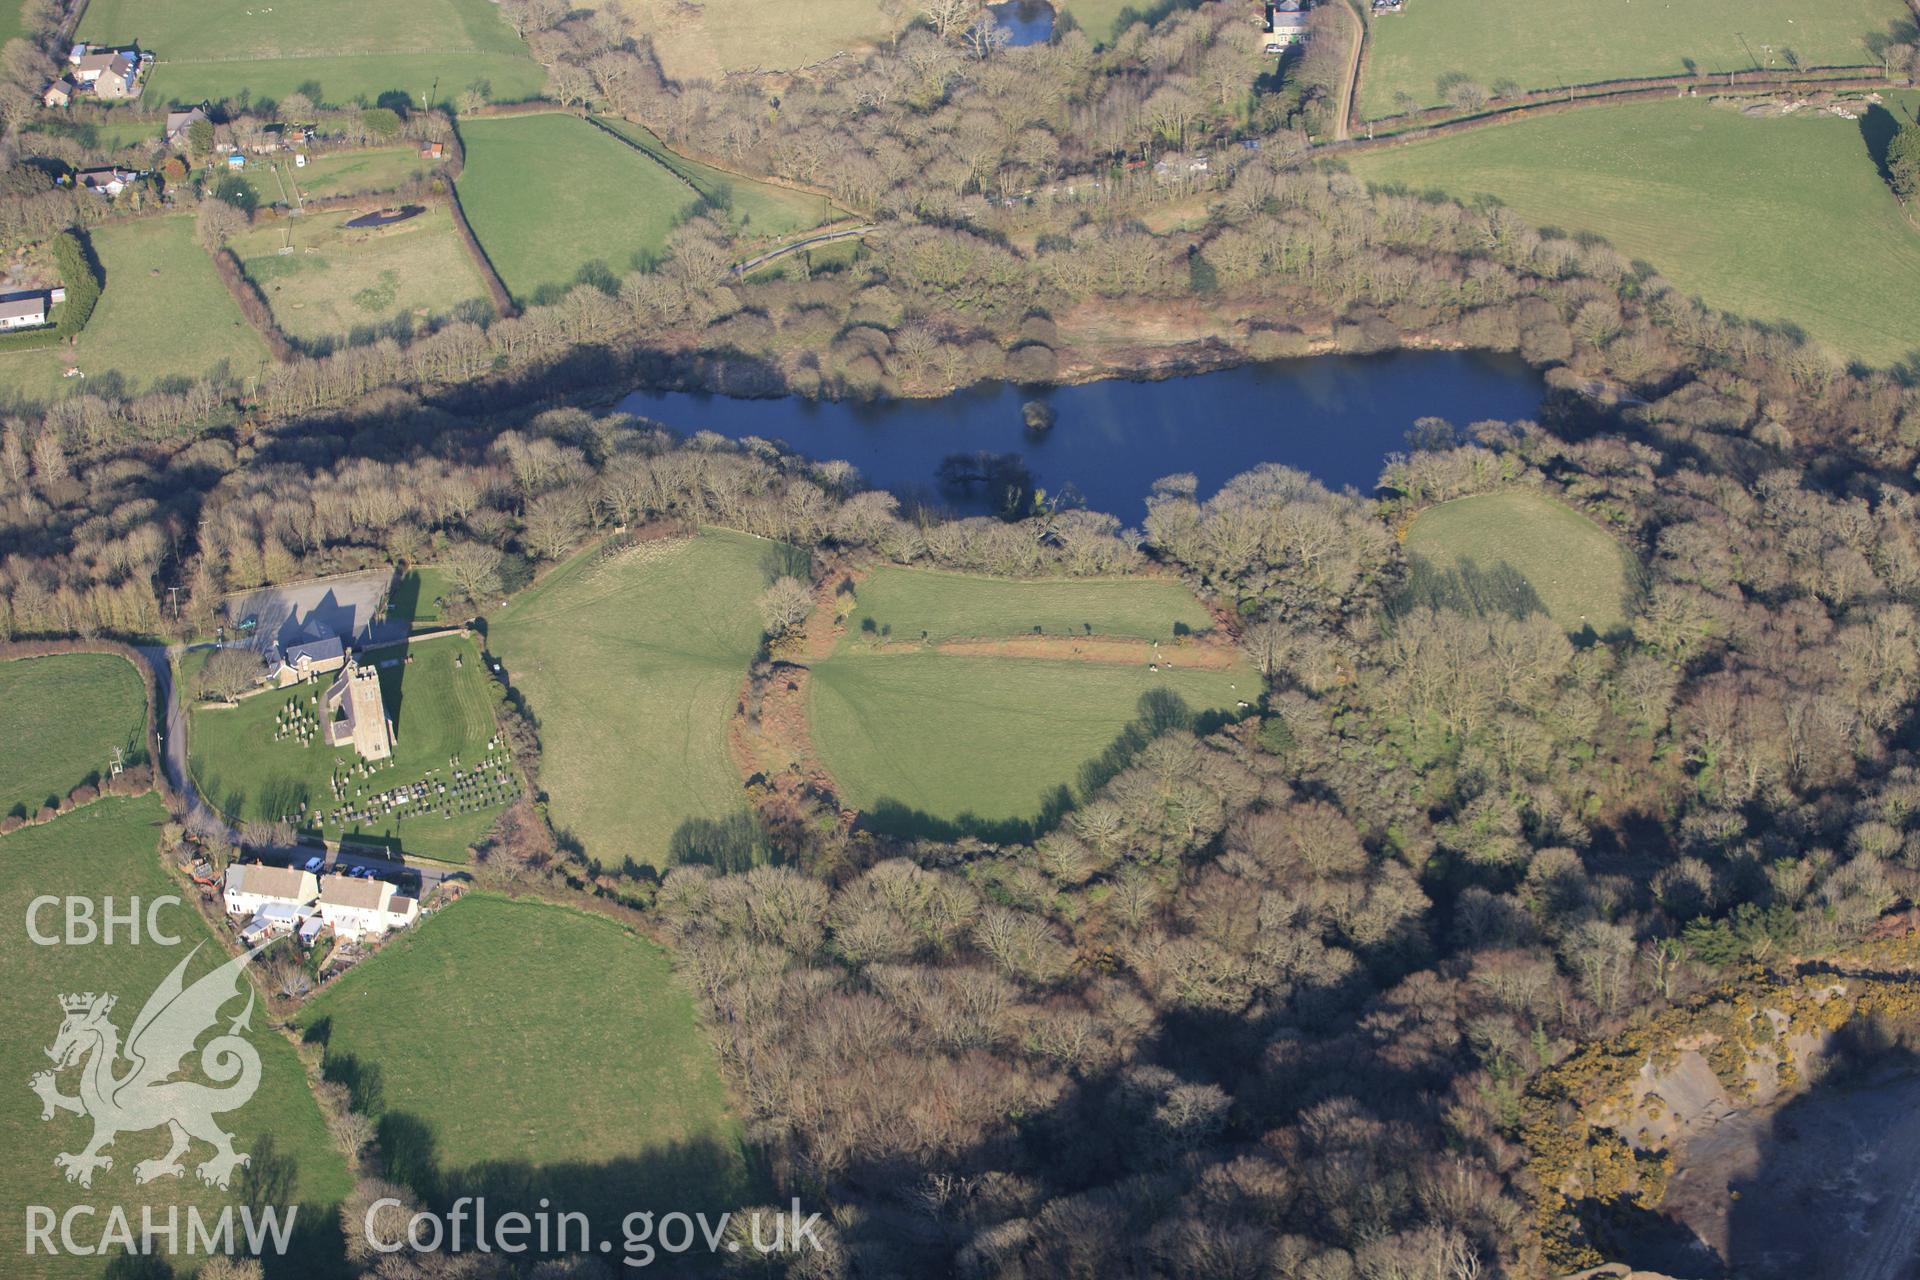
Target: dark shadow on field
point(731, 844)
point(1904, 31)
point(1150, 14)
point(701, 1175)
point(281, 798)
point(403, 601)
point(315, 1248)
point(1877, 129)
point(1160, 711)
point(784, 560)
point(1498, 591)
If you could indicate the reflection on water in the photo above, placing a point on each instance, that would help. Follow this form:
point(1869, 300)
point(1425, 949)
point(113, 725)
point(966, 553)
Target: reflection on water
point(1334, 416)
point(1024, 21)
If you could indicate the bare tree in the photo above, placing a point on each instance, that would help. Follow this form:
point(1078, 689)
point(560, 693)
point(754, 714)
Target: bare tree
point(985, 37)
point(218, 222)
point(554, 524)
point(785, 605)
point(473, 567)
point(229, 673)
point(949, 17)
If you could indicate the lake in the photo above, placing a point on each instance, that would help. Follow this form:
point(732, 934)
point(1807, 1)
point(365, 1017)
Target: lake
point(1336, 417)
point(1024, 21)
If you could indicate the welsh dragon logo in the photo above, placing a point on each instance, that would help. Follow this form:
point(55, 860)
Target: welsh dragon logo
point(143, 1094)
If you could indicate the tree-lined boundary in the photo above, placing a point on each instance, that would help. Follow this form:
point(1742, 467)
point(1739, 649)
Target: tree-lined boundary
point(1659, 91)
point(503, 303)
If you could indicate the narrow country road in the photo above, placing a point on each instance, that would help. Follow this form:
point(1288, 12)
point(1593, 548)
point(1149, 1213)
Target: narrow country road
point(173, 723)
point(1350, 86)
point(173, 761)
point(753, 263)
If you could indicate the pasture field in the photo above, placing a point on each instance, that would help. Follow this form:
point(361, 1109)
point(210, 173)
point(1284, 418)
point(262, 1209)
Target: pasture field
point(334, 51)
point(934, 605)
point(250, 764)
point(1468, 551)
point(339, 173)
point(609, 1100)
point(1545, 44)
point(108, 848)
point(555, 201)
point(163, 319)
point(164, 315)
point(1105, 20)
point(631, 668)
point(736, 35)
point(342, 284)
point(1000, 738)
point(934, 744)
point(1783, 220)
point(61, 716)
point(755, 208)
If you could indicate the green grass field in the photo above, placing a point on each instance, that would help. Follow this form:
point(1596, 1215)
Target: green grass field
point(631, 668)
point(913, 604)
point(1784, 221)
point(755, 208)
point(1544, 44)
point(1469, 551)
point(60, 719)
point(108, 849)
point(521, 1034)
point(341, 285)
point(939, 744)
point(735, 35)
point(334, 51)
point(250, 767)
point(417, 596)
point(1105, 20)
point(163, 320)
point(555, 201)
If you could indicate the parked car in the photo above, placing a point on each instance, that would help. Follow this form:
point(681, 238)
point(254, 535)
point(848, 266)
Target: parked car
point(314, 864)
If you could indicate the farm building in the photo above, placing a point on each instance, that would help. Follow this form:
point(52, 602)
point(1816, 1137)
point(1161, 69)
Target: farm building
point(24, 312)
point(357, 908)
point(354, 714)
point(304, 661)
point(254, 886)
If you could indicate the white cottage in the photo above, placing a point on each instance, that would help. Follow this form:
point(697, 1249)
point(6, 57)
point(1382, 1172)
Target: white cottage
point(252, 887)
point(358, 908)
